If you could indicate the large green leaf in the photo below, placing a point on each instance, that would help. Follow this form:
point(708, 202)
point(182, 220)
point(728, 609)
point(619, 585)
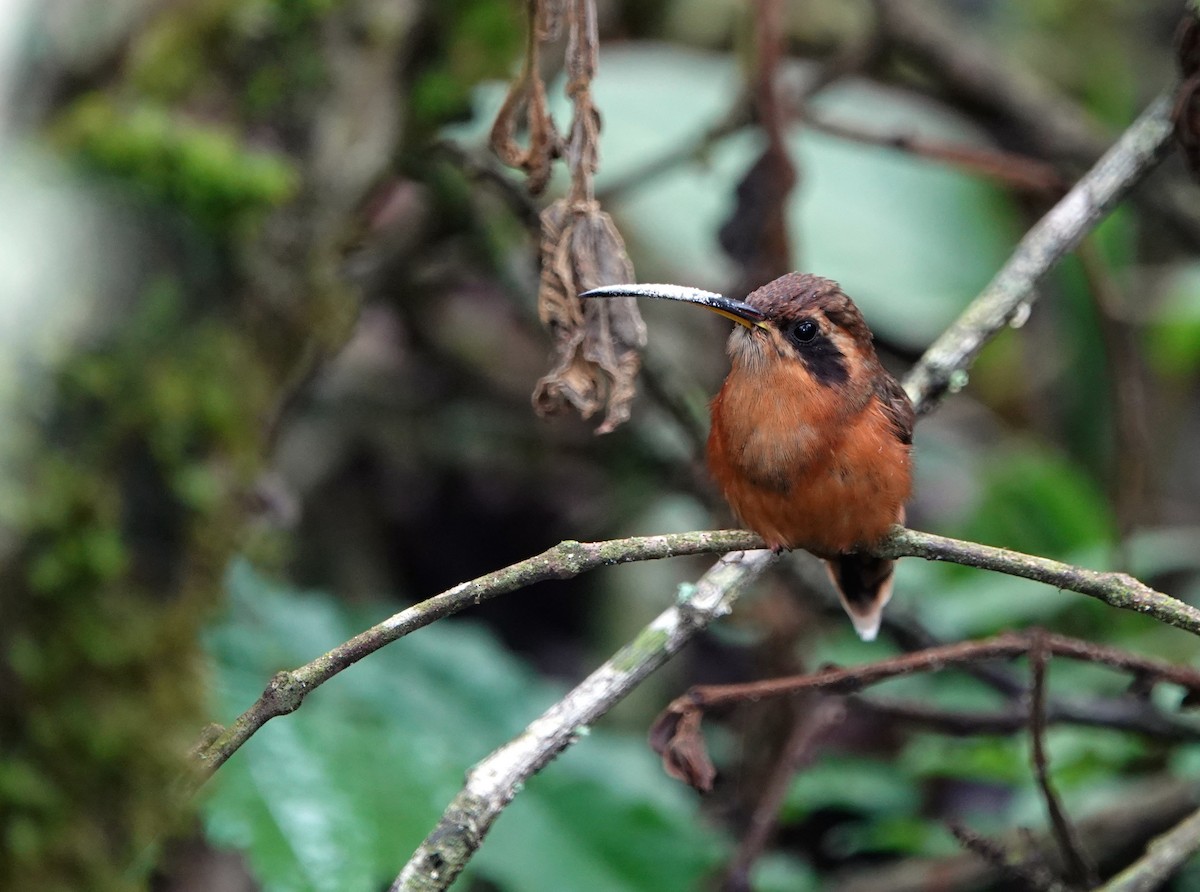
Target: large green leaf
point(336, 795)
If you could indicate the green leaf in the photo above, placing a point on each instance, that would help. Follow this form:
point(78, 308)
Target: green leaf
point(336, 795)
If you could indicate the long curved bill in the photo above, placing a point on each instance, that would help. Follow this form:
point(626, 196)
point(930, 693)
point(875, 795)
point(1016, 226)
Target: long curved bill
point(739, 312)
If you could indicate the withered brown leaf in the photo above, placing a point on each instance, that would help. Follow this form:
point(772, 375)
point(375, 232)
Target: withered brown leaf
point(597, 345)
point(676, 736)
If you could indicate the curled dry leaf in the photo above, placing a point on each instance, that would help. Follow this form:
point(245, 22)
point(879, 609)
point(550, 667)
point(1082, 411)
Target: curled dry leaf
point(596, 346)
point(676, 736)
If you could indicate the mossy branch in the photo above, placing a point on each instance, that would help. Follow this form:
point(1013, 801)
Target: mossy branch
point(287, 689)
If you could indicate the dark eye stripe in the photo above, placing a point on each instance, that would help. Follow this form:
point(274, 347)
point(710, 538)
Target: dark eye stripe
point(824, 361)
point(827, 365)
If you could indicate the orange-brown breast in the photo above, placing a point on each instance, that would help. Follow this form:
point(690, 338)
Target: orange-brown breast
point(807, 466)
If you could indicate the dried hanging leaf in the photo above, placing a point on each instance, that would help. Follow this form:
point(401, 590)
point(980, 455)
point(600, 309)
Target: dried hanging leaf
point(528, 94)
point(756, 234)
point(596, 345)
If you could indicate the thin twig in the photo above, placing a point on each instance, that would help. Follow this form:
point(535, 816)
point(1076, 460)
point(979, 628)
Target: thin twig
point(1008, 168)
point(1080, 871)
point(492, 783)
point(1121, 713)
point(1030, 874)
point(288, 689)
point(1004, 646)
point(977, 78)
point(799, 751)
point(1131, 439)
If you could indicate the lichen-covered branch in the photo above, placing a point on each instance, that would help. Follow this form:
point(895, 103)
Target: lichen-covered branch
point(1115, 589)
point(288, 689)
point(1011, 291)
point(493, 783)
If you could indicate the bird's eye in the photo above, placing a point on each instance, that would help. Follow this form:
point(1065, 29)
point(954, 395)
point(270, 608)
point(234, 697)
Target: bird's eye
point(804, 331)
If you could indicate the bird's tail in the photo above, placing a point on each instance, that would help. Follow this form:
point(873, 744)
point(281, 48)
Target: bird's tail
point(864, 584)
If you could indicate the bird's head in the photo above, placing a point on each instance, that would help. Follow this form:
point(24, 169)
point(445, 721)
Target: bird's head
point(796, 318)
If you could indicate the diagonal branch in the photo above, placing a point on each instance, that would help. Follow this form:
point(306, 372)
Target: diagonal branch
point(493, 783)
point(1164, 856)
point(287, 689)
point(1010, 293)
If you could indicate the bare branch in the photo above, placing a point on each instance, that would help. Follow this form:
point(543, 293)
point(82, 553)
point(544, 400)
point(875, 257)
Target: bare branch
point(1004, 646)
point(1123, 713)
point(493, 783)
point(1115, 589)
point(1011, 292)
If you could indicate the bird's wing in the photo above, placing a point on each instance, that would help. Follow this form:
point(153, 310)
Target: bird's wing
point(896, 406)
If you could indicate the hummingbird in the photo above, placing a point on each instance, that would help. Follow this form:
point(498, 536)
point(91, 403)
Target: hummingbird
point(811, 437)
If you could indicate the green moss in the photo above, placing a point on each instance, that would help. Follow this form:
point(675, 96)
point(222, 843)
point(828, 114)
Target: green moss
point(132, 507)
point(202, 170)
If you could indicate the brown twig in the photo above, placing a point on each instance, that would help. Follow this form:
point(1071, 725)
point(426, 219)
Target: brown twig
point(677, 731)
point(1080, 871)
point(1019, 172)
point(1124, 713)
point(1131, 439)
point(1005, 646)
point(1014, 101)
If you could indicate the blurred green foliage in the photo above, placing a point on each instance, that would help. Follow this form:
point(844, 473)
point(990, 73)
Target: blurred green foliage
point(152, 436)
point(201, 171)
